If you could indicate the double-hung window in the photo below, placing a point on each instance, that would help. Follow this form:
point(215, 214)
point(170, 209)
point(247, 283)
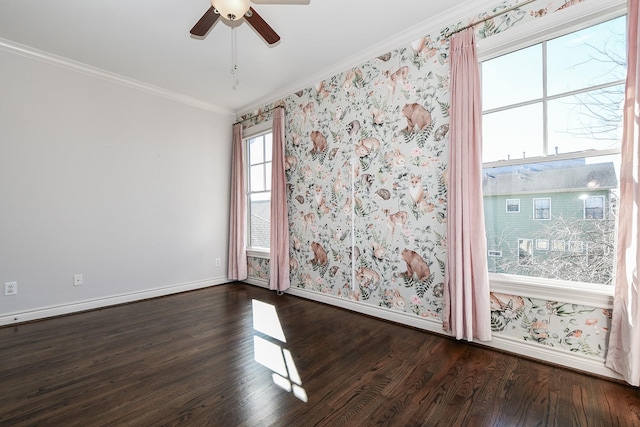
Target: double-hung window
point(594, 207)
point(542, 208)
point(258, 152)
point(552, 118)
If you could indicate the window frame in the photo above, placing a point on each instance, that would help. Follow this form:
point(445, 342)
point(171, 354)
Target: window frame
point(542, 245)
point(560, 23)
point(529, 243)
point(558, 246)
point(252, 133)
point(584, 209)
point(506, 206)
point(536, 209)
point(576, 247)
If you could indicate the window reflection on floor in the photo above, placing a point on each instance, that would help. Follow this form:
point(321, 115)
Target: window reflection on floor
point(271, 354)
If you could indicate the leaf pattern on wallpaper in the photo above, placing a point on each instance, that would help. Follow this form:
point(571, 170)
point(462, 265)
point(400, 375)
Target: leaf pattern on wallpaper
point(369, 145)
point(352, 139)
point(570, 327)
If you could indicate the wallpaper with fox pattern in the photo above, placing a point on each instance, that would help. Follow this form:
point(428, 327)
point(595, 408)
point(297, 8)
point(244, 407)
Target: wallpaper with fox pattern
point(366, 165)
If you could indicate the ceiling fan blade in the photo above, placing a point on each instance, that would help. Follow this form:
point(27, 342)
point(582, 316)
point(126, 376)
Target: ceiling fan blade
point(205, 23)
point(261, 27)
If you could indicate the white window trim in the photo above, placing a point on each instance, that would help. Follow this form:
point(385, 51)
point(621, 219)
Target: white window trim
point(554, 25)
point(257, 129)
point(258, 253)
point(532, 247)
point(588, 294)
point(506, 206)
point(559, 23)
point(564, 246)
point(542, 245)
point(584, 208)
point(575, 244)
point(251, 132)
point(534, 208)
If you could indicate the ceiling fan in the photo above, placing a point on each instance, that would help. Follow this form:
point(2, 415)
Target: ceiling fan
point(233, 10)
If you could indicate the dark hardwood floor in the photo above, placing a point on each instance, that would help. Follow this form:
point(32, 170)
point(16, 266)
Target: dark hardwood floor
point(188, 359)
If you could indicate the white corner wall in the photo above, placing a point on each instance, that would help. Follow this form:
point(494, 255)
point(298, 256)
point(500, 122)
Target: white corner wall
point(127, 188)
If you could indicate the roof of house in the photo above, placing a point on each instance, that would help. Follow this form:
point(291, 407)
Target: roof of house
point(260, 224)
point(549, 177)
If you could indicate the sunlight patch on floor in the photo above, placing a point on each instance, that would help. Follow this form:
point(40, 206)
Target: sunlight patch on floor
point(266, 320)
point(271, 355)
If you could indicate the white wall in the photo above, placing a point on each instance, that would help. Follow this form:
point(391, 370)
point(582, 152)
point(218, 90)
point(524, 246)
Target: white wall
point(126, 187)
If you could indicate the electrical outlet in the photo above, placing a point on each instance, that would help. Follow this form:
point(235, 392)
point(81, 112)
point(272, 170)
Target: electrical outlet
point(77, 280)
point(11, 288)
point(218, 263)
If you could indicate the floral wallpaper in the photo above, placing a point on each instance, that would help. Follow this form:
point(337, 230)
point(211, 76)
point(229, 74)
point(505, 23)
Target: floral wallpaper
point(366, 165)
point(565, 326)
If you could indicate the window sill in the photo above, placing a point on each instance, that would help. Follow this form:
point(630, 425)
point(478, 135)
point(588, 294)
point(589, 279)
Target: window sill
point(587, 294)
point(259, 253)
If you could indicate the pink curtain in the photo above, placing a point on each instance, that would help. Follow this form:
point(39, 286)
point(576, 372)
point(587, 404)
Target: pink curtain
point(279, 246)
point(238, 211)
point(623, 355)
point(466, 289)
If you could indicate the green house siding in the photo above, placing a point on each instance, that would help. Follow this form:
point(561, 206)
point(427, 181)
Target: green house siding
point(505, 228)
point(554, 239)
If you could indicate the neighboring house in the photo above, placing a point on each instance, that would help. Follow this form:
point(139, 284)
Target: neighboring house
point(260, 224)
point(551, 219)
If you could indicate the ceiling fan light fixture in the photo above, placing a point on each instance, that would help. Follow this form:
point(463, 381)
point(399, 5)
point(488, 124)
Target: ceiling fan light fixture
point(231, 9)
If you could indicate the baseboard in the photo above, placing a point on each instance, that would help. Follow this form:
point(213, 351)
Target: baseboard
point(550, 355)
point(432, 325)
point(60, 310)
point(257, 282)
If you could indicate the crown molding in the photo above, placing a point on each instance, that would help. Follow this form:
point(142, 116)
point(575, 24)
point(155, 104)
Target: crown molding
point(429, 26)
point(59, 61)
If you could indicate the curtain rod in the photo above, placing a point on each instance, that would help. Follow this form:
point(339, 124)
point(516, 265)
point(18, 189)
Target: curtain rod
point(254, 115)
point(447, 35)
point(473, 24)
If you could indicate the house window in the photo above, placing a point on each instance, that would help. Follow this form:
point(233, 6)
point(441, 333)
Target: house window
point(576, 246)
point(542, 244)
point(594, 207)
point(542, 208)
point(513, 205)
point(525, 251)
point(258, 149)
point(552, 97)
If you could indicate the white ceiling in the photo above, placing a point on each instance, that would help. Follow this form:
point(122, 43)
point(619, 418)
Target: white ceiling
point(149, 41)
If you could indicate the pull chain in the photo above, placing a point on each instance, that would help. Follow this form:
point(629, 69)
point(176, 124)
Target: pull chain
point(234, 56)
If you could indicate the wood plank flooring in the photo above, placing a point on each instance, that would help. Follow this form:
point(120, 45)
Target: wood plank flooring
point(188, 360)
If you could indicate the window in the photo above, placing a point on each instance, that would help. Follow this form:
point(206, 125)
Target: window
point(576, 246)
point(542, 244)
point(594, 207)
point(552, 124)
point(513, 205)
point(525, 251)
point(542, 208)
point(258, 149)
